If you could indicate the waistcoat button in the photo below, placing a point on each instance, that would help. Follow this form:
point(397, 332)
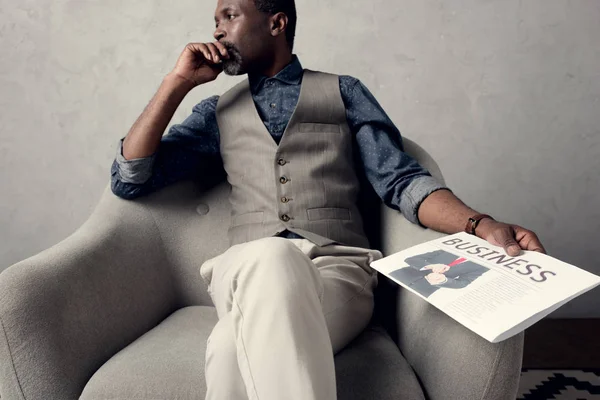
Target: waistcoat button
point(281, 161)
point(285, 200)
point(283, 179)
point(285, 218)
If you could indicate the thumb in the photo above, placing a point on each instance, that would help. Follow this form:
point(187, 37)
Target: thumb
point(506, 238)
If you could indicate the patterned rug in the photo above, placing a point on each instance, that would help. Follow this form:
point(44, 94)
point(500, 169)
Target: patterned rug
point(563, 384)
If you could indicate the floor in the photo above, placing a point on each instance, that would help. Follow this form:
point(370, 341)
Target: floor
point(561, 360)
point(563, 343)
point(566, 384)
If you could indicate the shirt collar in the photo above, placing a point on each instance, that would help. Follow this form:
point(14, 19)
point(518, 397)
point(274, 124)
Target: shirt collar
point(290, 74)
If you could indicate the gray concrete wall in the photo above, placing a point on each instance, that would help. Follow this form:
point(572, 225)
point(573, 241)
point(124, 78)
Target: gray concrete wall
point(504, 94)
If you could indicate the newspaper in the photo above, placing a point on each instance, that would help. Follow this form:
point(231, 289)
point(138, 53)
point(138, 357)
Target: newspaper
point(480, 286)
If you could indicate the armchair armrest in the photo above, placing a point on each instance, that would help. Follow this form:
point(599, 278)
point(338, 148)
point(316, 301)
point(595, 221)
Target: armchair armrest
point(451, 361)
point(67, 310)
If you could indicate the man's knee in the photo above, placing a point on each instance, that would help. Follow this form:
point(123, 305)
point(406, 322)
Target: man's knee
point(274, 246)
point(278, 264)
point(274, 265)
point(271, 253)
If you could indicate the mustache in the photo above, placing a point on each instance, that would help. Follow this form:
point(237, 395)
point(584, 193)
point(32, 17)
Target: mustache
point(233, 64)
point(231, 49)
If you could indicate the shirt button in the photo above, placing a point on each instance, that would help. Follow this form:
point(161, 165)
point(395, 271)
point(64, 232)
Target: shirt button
point(285, 200)
point(281, 161)
point(273, 105)
point(283, 179)
point(285, 218)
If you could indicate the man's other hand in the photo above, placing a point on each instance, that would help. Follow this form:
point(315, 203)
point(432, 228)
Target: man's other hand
point(511, 237)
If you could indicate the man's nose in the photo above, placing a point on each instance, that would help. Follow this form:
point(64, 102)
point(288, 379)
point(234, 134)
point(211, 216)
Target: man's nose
point(219, 34)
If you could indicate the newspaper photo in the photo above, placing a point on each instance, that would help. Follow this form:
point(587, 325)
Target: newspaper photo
point(481, 287)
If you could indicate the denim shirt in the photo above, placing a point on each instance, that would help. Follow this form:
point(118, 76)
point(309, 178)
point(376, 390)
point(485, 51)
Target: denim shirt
point(190, 150)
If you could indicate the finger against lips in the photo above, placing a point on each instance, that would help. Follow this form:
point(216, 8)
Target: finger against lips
point(222, 49)
point(200, 48)
point(214, 52)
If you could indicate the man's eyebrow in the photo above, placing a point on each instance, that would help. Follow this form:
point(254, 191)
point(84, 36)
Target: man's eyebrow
point(224, 11)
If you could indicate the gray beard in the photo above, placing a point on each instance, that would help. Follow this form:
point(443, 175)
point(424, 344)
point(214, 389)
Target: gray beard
point(233, 65)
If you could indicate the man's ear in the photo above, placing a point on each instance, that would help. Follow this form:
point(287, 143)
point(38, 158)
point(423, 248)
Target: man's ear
point(279, 23)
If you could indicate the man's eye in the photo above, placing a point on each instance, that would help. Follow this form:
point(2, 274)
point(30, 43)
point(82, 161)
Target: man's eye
point(230, 16)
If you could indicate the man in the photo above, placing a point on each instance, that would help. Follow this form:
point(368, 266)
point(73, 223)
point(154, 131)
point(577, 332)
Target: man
point(296, 285)
point(426, 273)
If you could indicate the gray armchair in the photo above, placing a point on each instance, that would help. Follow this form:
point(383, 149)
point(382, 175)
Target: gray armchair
point(118, 311)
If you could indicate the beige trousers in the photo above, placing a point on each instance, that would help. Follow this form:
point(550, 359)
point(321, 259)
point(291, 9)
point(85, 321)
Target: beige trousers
point(285, 307)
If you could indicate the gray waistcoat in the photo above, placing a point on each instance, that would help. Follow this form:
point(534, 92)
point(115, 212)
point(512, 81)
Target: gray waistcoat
point(307, 184)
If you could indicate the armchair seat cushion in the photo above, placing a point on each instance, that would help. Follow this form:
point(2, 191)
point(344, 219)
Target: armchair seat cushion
point(168, 363)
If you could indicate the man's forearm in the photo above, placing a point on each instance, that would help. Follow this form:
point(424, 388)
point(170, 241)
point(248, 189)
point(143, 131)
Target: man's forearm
point(144, 136)
point(444, 212)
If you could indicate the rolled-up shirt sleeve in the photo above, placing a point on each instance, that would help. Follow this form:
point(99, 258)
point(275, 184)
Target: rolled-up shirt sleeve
point(414, 194)
point(136, 170)
point(189, 150)
point(397, 178)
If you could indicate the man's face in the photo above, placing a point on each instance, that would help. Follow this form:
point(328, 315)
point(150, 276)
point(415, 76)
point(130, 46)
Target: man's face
point(245, 32)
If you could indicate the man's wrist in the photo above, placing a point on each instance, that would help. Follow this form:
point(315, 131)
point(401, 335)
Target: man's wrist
point(483, 226)
point(474, 222)
point(178, 83)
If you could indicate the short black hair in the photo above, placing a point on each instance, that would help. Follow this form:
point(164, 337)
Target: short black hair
point(288, 7)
